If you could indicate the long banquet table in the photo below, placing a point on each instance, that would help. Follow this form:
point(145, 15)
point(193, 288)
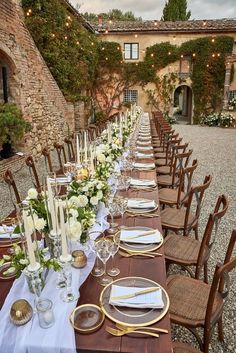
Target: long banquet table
point(151, 268)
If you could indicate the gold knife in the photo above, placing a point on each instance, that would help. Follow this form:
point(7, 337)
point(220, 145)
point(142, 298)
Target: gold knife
point(135, 294)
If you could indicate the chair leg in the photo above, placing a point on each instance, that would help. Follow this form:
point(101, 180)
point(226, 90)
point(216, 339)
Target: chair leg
point(196, 232)
point(220, 330)
point(205, 273)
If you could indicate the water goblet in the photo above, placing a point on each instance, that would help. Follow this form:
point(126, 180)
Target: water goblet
point(9, 225)
point(123, 202)
point(113, 208)
point(114, 247)
point(67, 295)
point(103, 252)
point(97, 270)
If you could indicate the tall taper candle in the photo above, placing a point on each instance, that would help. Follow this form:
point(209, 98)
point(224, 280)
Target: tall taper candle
point(63, 232)
point(77, 150)
point(32, 260)
point(85, 147)
point(51, 206)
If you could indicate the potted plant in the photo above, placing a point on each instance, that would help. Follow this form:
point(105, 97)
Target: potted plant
point(12, 127)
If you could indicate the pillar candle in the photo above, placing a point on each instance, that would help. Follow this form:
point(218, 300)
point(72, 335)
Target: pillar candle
point(77, 149)
point(32, 260)
point(51, 206)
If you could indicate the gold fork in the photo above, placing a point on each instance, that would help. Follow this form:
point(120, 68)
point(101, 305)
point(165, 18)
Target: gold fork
point(124, 254)
point(119, 333)
point(128, 328)
point(142, 215)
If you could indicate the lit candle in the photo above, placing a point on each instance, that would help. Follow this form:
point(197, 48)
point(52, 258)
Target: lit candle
point(77, 150)
point(51, 206)
point(32, 260)
point(63, 232)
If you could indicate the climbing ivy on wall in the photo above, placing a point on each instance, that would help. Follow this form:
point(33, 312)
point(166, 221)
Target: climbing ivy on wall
point(80, 63)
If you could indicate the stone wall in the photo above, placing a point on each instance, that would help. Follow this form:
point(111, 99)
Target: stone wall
point(31, 84)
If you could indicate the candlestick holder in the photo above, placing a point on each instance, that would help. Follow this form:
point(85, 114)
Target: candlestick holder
point(67, 295)
point(54, 244)
point(35, 279)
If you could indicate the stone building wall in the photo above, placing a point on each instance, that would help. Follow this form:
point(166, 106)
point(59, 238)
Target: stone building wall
point(31, 85)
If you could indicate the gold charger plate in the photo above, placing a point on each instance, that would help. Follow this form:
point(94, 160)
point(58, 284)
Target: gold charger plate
point(4, 268)
point(87, 318)
point(133, 316)
point(137, 247)
point(142, 210)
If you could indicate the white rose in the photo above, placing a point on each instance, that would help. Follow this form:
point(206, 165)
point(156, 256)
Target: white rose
point(83, 200)
point(99, 186)
point(85, 188)
point(74, 201)
point(33, 193)
point(94, 200)
point(24, 261)
point(99, 195)
point(101, 158)
point(114, 146)
point(108, 159)
point(39, 223)
point(73, 213)
point(74, 229)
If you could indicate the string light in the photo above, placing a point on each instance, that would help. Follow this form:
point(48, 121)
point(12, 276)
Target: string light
point(66, 37)
point(194, 55)
point(207, 65)
point(118, 48)
point(106, 31)
point(67, 24)
point(204, 23)
point(77, 42)
point(174, 37)
point(169, 53)
point(213, 40)
point(181, 56)
point(213, 55)
point(152, 54)
point(92, 43)
point(218, 54)
point(69, 18)
point(155, 23)
point(103, 48)
point(106, 58)
point(136, 64)
point(110, 21)
point(152, 65)
point(135, 36)
point(53, 35)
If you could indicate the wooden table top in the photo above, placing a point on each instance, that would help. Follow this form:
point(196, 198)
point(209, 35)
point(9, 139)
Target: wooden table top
point(151, 268)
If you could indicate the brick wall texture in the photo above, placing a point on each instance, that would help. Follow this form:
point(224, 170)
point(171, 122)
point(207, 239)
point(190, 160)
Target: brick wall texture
point(31, 84)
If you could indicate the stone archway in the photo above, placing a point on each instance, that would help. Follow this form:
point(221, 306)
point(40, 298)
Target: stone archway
point(183, 104)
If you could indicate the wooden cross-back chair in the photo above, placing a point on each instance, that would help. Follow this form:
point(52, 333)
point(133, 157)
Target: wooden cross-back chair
point(166, 158)
point(47, 160)
point(61, 154)
point(175, 196)
point(185, 218)
point(180, 162)
point(172, 140)
point(195, 304)
point(33, 172)
point(9, 179)
point(70, 148)
point(181, 347)
point(188, 252)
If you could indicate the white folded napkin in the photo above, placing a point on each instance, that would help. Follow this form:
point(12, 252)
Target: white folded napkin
point(6, 235)
point(148, 300)
point(144, 155)
point(61, 180)
point(147, 166)
point(145, 148)
point(141, 203)
point(144, 138)
point(128, 236)
point(142, 182)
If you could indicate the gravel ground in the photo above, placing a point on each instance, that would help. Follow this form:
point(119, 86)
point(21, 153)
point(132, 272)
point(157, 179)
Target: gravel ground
point(215, 149)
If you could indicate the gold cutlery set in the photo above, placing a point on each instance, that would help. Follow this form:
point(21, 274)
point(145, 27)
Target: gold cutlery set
point(124, 330)
point(150, 254)
point(147, 215)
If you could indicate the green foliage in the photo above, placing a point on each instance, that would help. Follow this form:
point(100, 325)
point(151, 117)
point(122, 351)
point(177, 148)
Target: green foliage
point(176, 10)
point(68, 49)
point(114, 14)
point(12, 124)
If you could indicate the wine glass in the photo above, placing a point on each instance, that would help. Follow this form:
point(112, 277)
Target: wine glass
point(67, 170)
point(113, 208)
point(67, 295)
point(55, 185)
point(122, 202)
point(114, 247)
point(94, 240)
point(8, 226)
point(103, 252)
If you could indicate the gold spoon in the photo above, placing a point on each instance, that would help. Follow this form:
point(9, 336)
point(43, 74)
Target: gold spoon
point(124, 254)
point(128, 328)
point(118, 333)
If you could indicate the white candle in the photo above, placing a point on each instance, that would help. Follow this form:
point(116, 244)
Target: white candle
point(51, 206)
point(85, 147)
point(77, 149)
point(91, 160)
point(32, 260)
point(63, 232)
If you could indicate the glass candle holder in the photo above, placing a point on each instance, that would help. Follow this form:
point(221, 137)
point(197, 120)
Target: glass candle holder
point(45, 313)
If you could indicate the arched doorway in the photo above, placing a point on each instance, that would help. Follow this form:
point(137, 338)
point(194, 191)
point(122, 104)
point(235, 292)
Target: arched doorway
point(183, 104)
point(7, 78)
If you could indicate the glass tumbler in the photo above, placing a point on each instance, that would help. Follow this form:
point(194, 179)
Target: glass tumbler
point(45, 313)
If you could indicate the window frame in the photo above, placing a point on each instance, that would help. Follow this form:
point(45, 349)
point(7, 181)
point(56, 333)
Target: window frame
point(131, 50)
point(130, 95)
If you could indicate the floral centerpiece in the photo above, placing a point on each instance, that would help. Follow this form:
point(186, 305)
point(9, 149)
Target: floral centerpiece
point(219, 119)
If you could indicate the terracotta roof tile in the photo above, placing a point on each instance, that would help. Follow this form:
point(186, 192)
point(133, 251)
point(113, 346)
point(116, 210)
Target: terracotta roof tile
point(222, 25)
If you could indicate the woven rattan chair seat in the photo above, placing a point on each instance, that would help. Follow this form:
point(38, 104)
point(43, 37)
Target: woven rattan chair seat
point(174, 218)
point(188, 301)
point(160, 155)
point(165, 180)
point(163, 170)
point(157, 148)
point(182, 250)
point(160, 162)
point(180, 347)
point(169, 196)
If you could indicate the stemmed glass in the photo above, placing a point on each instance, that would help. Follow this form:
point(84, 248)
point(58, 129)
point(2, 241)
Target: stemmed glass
point(114, 247)
point(67, 170)
point(8, 226)
point(122, 202)
point(104, 252)
point(97, 270)
point(56, 187)
point(113, 208)
point(67, 295)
